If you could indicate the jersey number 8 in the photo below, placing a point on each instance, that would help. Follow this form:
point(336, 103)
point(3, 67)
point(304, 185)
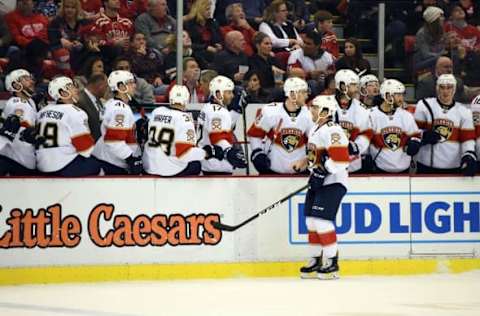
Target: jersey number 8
point(161, 137)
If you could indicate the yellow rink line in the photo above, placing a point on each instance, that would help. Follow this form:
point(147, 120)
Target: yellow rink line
point(99, 273)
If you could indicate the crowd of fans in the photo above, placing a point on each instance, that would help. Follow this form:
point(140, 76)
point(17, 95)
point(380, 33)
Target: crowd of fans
point(258, 45)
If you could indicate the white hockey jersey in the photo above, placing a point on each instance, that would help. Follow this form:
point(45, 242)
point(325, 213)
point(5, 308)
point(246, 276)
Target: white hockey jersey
point(455, 126)
point(356, 124)
point(17, 150)
point(67, 135)
point(171, 142)
point(331, 140)
point(215, 128)
point(390, 135)
point(285, 134)
point(118, 139)
point(476, 123)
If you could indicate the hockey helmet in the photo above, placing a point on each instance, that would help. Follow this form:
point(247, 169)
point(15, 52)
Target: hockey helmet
point(14, 77)
point(179, 95)
point(60, 84)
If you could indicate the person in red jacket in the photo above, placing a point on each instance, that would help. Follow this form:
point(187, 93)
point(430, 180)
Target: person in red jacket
point(25, 25)
point(469, 35)
point(116, 30)
point(324, 26)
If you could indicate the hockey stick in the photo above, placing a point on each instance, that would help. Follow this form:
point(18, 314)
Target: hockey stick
point(229, 228)
point(432, 127)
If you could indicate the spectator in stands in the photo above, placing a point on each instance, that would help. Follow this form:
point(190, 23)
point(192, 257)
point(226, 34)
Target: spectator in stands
point(353, 58)
point(171, 58)
point(329, 85)
point(144, 90)
point(91, 8)
point(146, 63)
point(282, 33)
point(132, 8)
point(93, 65)
point(323, 25)
point(5, 37)
point(92, 46)
point(25, 25)
point(472, 11)
point(191, 79)
point(48, 8)
point(205, 77)
point(256, 93)
point(316, 62)
point(238, 22)
point(89, 101)
point(203, 30)
point(264, 62)
point(426, 86)
point(253, 10)
point(232, 61)
point(156, 25)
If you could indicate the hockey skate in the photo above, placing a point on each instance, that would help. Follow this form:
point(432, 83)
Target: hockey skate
point(330, 269)
point(308, 270)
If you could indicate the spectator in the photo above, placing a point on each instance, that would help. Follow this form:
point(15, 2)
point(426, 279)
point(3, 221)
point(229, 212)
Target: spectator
point(191, 76)
point(472, 11)
point(89, 101)
point(316, 62)
point(425, 87)
point(232, 62)
point(203, 30)
point(156, 25)
point(324, 26)
point(237, 22)
point(132, 8)
point(144, 90)
point(264, 62)
point(25, 25)
point(92, 46)
point(5, 37)
point(282, 33)
point(329, 85)
point(205, 77)
point(92, 8)
point(254, 87)
point(48, 8)
point(93, 65)
point(353, 58)
point(253, 10)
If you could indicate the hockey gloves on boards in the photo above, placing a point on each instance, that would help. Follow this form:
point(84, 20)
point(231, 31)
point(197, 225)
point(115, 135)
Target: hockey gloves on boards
point(430, 137)
point(141, 130)
point(235, 157)
point(213, 151)
point(413, 146)
point(316, 179)
point(261, 161)
point(10, 127)
point(29, 135)
point(135, 165)
point(468, 164)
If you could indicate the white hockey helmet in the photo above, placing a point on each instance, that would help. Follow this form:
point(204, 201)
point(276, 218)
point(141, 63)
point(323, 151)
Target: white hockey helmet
point(294, 84)
point(347, 77)
point(14, 77)
point(58, 84)
point(365, 80)
point(447, 79)
point(391, 87)
point(179, 95)
point(326, 102)
point(119, 76)
point(220, 84)
point(476, 101)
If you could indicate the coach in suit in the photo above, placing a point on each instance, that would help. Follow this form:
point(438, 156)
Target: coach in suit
point(89, 101)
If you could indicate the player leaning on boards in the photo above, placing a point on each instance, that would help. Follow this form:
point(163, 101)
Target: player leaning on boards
point(396, 136)
point(447, 130)
point(475, 106)
point(327, 161)
point(67, 140)
point(215, 134)
point(279, 134)
point(17, 135)
point(170, 149)
point(117, 148)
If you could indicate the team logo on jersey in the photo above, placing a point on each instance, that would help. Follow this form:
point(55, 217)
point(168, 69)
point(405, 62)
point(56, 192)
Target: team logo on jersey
point(191, 136)
point(392, 137)
point(217, 124)
point(291, 138)
point(119, 119)
point(444, 127)
point(347, 127)
point(19, 113)
point(335, 138)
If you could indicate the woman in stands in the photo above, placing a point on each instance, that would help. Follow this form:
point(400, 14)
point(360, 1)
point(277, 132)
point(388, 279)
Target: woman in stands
point(353, 58)
point(254, 87)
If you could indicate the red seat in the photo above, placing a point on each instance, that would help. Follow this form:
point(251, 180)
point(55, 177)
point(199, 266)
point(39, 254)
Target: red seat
point(409, 43)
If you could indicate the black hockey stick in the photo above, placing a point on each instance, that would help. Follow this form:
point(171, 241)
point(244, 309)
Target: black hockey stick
point(229, 228)
point(429, 108)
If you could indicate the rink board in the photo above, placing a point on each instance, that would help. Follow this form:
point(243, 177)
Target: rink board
point(117, 228)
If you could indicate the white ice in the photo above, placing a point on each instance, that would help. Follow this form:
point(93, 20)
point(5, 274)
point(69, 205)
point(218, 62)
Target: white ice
point(439, 295)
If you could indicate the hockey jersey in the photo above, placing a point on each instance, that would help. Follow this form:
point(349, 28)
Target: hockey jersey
point(476, 123)
point(285, 134)
point(330, 140)
point(455, 126)
point(118, 140)
point(356, 124)
point(171, 142)
point(113, 28)
point(215, 128)
point(390, 135)
point(17, 150)
point(66, 132)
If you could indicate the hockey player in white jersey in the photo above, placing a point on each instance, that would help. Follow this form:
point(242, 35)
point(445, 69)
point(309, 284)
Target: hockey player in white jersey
point(370, 91)
point(215, 130)
point(475, 106)
point(353, 117)
point(17, 155)
point(280, 132)
point(117, 148)
point(448, 132)
point(396, 136)
point(327, 161)
point(171, 149)
point(68, 142)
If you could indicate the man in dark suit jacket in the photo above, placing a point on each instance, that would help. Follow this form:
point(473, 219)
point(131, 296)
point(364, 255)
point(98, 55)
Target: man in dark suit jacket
point(89, 101)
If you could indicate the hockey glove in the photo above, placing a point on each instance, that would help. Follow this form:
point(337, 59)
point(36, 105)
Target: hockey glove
point(29, 135)
point(135, 165)
point(317, 177)
point(235, 157)
point(239, 102)
point(413, 146)
point(213, 151)
point(10, 127)
point(468, 165)
point(141, 130)
point(261, 161)
point(353, 149)
point(430, 137)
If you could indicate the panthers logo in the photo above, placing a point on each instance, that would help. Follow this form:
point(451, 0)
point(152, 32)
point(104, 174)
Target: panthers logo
point(217, 124)
point(392, 137)
point(19, 113)
point(290, 138)
point(444, 127)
